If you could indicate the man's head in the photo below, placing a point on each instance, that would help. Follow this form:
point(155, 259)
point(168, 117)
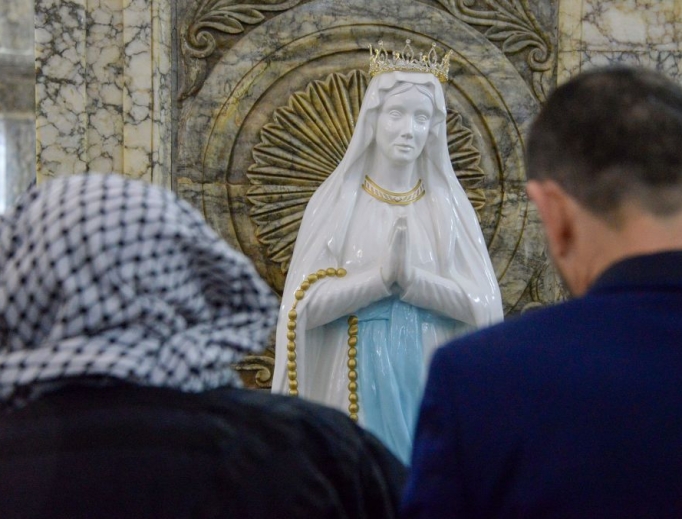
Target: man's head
point(605, 156)
point(106, 276)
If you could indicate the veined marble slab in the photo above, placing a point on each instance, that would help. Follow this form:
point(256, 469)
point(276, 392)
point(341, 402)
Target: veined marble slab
point(595, 33)
point(103, 98)
point(570, 25)
point(665, 61)
point(631, 24)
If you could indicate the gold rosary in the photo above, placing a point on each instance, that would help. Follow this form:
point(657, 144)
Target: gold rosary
point(299, 294)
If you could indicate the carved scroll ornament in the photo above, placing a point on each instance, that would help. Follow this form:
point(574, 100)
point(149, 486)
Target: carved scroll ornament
point(212, 17)
point(512, 24)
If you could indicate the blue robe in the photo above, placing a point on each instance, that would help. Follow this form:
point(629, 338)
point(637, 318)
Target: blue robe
point(391, 370)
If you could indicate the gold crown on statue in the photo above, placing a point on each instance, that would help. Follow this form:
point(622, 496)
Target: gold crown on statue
point(406, 61)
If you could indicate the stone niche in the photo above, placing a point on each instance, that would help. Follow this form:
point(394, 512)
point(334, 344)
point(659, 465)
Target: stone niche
point(267, 99)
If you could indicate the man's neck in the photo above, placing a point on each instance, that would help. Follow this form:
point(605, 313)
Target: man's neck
point(637, 233)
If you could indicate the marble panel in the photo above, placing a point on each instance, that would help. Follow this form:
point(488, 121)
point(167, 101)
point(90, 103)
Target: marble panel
point(570, 26)
point(631, 25)
point(104, 69)
point(568, 65)
point(603, 32)
point(147, 92)
point(16, 27)
point(61, 89)
point(667, 62)
point(103, 88)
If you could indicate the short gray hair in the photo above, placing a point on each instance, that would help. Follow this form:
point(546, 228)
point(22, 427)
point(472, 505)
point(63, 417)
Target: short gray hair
point(611, 135)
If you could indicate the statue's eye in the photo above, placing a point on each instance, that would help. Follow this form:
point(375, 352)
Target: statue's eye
point(422, 119)
point(395, 113)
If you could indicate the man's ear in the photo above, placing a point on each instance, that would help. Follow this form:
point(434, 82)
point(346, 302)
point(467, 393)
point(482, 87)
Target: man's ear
point(556, 210)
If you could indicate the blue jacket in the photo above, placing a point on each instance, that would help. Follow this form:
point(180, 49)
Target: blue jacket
point(569, 411)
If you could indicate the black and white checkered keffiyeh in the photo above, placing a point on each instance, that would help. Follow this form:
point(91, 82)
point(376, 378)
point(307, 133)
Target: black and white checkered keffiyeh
point(100, 275)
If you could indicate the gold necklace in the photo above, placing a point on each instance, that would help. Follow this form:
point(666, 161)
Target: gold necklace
point(391, 197)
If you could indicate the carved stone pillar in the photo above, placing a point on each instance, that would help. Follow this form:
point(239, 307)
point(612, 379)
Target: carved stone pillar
point(103, 88)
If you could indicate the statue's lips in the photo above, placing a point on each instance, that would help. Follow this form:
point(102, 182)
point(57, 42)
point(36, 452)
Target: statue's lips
point(404, 147)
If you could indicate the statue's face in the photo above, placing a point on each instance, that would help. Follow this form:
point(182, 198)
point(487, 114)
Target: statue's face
point(403, 126)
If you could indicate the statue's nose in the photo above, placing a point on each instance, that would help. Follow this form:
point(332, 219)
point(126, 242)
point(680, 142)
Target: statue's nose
point(408, 128)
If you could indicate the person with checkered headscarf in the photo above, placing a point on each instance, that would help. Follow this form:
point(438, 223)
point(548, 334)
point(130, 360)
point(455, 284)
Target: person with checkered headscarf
point(121, 315)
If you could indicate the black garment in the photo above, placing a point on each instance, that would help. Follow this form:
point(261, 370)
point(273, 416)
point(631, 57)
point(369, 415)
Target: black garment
point(139, 452)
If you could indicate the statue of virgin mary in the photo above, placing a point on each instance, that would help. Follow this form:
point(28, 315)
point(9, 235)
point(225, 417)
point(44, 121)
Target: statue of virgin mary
point(402, 263)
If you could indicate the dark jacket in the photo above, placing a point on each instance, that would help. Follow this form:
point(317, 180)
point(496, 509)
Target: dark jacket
point(125, 451)
point(570, 411)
